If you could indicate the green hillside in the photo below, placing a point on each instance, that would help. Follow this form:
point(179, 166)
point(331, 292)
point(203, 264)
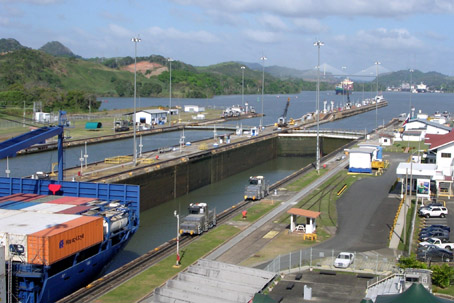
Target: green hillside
point(434, 80)
point(55, 48)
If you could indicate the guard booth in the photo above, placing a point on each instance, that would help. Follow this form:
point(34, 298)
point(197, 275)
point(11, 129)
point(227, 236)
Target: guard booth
point(310, 226)
point(224, 139)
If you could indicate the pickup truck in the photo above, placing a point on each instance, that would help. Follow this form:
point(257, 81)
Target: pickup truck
point(434, 211)
point(438, 243)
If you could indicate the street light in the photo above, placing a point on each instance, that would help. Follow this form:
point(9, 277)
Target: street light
point(318, 44)
point(343, 89)
point(376, 105)
point(411, 80)
point(263, 58)
point(242, 84)
point(135, 40)
point(170, 90)
point(178, 238)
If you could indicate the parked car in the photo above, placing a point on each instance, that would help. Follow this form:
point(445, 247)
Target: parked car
point(443, 235)
point(435, 254)
point(436, 226)
point(434, 211)
point(344, 260)
point(438, 243)
point(438, 204)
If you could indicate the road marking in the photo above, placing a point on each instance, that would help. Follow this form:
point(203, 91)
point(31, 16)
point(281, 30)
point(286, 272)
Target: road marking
point(270, 234)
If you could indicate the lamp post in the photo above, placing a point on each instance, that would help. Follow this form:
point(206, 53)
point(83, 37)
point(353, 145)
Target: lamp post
point(135, 40)
point(178, 238)
point(170, 90)
point(411, 80)
point(242, 84)
point(318, 44)
point(343, 89)
point(376, 105)
point(263, 58)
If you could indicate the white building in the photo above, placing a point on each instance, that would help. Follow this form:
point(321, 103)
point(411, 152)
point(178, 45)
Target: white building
point(360, 159)
point(193, 109)
point(151, 116)
point(427, 126)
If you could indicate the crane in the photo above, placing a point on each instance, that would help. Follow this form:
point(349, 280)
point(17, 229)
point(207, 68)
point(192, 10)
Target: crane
point(282, 121)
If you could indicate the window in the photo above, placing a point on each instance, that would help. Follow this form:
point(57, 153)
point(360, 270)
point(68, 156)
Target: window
point(446, 155)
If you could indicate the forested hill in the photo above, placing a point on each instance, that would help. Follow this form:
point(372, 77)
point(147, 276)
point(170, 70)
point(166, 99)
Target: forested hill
point(73, 83)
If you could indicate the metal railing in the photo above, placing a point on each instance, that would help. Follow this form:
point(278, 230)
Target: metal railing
point(370, 262)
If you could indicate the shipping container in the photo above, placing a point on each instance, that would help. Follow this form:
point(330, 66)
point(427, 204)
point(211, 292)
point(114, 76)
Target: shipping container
point(15, 228)
point(47, 207)
point(2, 275)
point(16, 205)
point(74, 210)
point(58, 242)
point(20, 197)
point(46, 198)
point(72, 200)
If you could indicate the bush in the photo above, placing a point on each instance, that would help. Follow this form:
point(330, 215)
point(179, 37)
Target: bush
point(443, 275)
point(411, 262)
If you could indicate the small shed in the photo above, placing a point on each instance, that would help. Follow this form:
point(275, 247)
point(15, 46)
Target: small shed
point(193, 109)
point(310, 215)
point(360, 159)
point(151, 116)
point(93, 125)
point(386, 139)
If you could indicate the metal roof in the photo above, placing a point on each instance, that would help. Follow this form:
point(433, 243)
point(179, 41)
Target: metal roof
point(304, 212)
point(213, 282)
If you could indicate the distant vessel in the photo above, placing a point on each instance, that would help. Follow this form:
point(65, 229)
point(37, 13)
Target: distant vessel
point(421, 88)
point(345, 87)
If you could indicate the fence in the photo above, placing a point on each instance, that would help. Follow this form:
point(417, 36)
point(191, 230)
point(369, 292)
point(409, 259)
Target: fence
point(324, 259)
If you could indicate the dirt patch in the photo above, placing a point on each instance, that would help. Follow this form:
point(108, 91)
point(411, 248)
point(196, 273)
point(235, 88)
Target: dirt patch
point(147, 68)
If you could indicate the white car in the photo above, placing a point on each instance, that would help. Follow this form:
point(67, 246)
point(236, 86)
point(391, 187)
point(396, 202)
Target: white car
point(344, 260)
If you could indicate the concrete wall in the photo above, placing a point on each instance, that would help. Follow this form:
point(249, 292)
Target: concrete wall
point(171, 182)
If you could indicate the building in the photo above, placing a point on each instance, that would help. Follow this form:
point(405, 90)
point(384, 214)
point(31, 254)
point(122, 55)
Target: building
point(360, 159)
point(151, 116)
point(193, 109)
point(428, 127)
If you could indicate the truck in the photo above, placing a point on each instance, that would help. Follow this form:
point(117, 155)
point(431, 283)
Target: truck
point(438, 243)
point(257, 188)
point(199, 219)
point(121, 125)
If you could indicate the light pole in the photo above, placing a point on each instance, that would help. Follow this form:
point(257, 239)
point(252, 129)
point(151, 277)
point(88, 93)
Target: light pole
point(178, 238)
point(343, 88)
point(242, 84)
point(318, 44)
point(170, 90)
point(135, 40)
point(411, 80)
point(263, 58)
point(376, 105)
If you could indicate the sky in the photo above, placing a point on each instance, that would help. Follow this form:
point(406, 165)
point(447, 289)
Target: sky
point(400, 34)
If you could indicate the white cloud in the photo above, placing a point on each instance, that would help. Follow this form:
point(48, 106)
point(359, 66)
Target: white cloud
point(261, 36)
point(4, 21)
point(37, 2)
point(310, 25)
point(392, 39)
point(172, 33)
point(325, 8)
point(119, 31)
point(272, 21)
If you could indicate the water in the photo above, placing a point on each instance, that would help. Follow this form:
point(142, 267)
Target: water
point(29, 164)
point(158, 224)
point(304, 102)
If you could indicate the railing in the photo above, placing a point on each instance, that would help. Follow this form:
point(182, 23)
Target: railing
point(370, 262)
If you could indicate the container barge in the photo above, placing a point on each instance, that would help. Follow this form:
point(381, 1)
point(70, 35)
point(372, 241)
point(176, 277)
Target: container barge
point(56, 237)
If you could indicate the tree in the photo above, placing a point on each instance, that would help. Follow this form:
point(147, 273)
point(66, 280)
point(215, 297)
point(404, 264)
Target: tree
point(442, 276)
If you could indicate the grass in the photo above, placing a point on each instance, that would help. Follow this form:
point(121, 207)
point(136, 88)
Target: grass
point(447, 291)
point(305, 180)
point(142, 284)
point(78, 131)
point(400, 146)
point(256, 211)
point(403, 246)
